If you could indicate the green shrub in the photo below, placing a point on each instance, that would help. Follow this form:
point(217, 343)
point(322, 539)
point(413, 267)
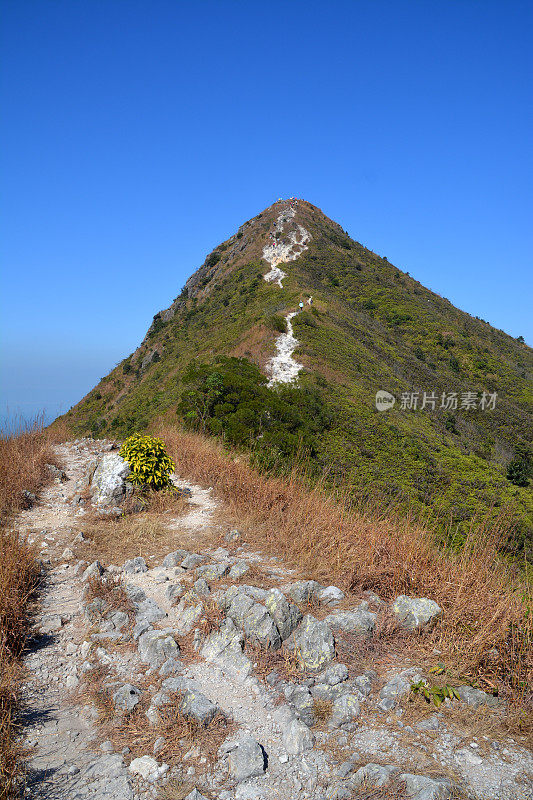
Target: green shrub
point(277, 323)
point(149, 461)
point(521, 467)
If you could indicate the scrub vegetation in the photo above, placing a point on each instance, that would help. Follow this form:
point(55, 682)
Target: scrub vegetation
point(371, 327)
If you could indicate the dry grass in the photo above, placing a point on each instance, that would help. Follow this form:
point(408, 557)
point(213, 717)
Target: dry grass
point(486, 605)
point(112, 541)
point(179, 732)
point(283, 661)
point(23, 459)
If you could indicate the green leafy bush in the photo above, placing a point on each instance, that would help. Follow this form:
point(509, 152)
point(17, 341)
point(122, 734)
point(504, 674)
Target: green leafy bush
point(230, 398)
point(149, 461)
point(521, 467)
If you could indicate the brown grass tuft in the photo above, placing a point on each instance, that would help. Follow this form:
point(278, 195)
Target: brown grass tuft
point(23, 457)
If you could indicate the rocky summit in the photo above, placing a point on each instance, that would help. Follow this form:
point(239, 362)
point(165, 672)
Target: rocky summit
point(206, 669)
point(294, 338)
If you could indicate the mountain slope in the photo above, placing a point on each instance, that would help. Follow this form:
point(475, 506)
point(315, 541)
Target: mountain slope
point(370, 327)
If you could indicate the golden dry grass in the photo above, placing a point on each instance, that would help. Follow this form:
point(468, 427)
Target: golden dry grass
point(486, 604)
point(23, 457)
point(148, 534)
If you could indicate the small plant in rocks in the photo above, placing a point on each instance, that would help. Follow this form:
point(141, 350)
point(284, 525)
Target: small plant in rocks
point(150, 464)
point(435, 694)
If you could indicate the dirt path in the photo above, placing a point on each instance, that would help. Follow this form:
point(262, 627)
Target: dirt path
point(276, 746)
point(284, 246)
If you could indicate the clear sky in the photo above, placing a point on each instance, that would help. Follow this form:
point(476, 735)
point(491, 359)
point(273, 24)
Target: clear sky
point(138, 134)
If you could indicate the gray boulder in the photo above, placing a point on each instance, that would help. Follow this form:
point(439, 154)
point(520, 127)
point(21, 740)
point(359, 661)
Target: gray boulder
point(303, 592)
point(126, 698)
point(225, 649)
point(134, 566)
point(94, 570)
point(331, 596)
point(336, 673)
point(372, 775)
point(253, 618)
point(297, 737)
point(345, 709)
point(418, 787)
point(149, 611)
point(201, 587)
point(286, 615)
point(313, 643)
point(155, 647)
point(188, 612)
point(198, 707)
point(109, 485)
point(302, 700)
point(175, 558)
point(213, 572)
point(237, 571)
point(416, 613)
point(173, 592)
point(192, 560)
point(246, 760)
point(361, 621)
point(396, 688)
point(476, 697)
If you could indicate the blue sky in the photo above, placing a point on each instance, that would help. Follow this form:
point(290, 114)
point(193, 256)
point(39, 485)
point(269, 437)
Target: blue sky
point(137, 134)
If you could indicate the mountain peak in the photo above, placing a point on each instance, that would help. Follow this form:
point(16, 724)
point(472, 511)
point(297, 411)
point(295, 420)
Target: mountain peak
point(308, 309)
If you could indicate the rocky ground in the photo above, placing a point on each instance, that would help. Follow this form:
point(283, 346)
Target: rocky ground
point(215, 672)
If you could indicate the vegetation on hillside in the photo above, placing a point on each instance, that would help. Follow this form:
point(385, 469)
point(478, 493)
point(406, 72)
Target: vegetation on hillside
point(371, 327)
point(230, 398)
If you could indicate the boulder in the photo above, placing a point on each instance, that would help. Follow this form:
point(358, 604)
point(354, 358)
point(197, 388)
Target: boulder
point(286, 615)
point(173, 592)
point(252, 618)
point(297, 737)
point(134, 566)
point(331, 596)
point(94, 570)
point(155, 647)
point(148, 768)
point(147, 611)
point(302, 700)
point(188, 612)
point(174, 559)
point(225, 649)
point(198, 707)
point(313, 643)
point(126, 698)
point(192, 560)
point(396, 688)
point(419, 787)
point(416, 613)
point(361, 621)
point(476, 697)
point(213, 572)
point(237, 571)
point(372, 776)
point(246, 760)
point(345, 709)
point(109, 485)
point(336, 673)
point(304, 592)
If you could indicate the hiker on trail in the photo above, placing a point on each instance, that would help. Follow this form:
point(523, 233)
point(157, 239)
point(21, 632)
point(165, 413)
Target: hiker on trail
point(310, 300)
point(301, 306)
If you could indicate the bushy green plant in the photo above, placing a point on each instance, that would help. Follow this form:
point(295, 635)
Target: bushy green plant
point(435, 694)
point(149, 461)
